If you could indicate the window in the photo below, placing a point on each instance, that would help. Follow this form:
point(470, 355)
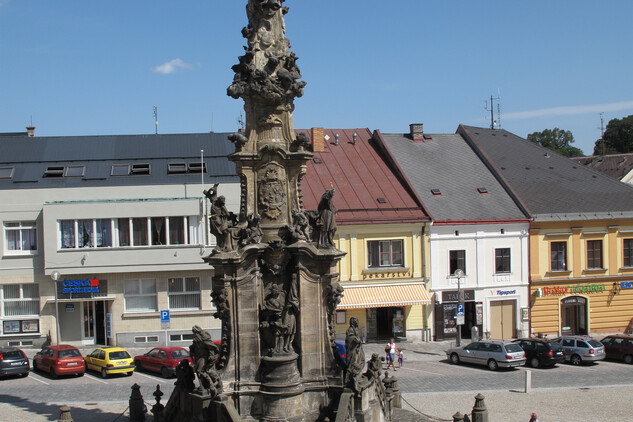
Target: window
point(176, 230)
point(139, 231)
point(502, 260)
point(594, 253)
point(627, 245)
point(20, 237)
point(120, 170)
point(6, 172)
point(140, 295)
point(159, 231)
point(184, 293)
point(67, 229)
point(194, 167)
point(457, 260)
point(385, 253)
point(84, 233)
point(123, 231)
point(75, 171)
point(559, 256)
point(20, 300)
point(54, 171)
point(104, 233)
point(141, 168)
point(174, 168)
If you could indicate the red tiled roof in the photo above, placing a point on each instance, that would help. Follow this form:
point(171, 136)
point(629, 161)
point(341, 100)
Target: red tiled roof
point(360, 176)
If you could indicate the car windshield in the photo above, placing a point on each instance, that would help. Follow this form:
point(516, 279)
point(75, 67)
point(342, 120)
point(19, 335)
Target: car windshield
point(12, 354)
point(513, 348)
point(554, 346)
point(595, 343)
point(179, 354)
point(119, 355)
point(72, 353)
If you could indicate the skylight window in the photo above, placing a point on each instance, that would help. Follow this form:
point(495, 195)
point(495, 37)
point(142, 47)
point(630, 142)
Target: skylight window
point(176, 168)
point(381, 200)
point(54, 171)
point(141, 168)
point(75, 171)
point(482, 190)
point(6, 172)
point(194, 167)
point(317, 160)
point(436, 192)
point(120, 170)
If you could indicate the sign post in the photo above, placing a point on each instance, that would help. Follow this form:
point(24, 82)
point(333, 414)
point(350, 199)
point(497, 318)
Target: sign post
point(165, 322)
point(459, 317)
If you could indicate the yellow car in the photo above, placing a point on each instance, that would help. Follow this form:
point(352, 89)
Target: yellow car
point(110, 360)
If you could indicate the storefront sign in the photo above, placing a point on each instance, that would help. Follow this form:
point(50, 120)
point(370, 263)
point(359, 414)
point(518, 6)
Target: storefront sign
point(503, 292)
point(626, 285)
point(574, 289)
point(452, 296)
point(82, 289)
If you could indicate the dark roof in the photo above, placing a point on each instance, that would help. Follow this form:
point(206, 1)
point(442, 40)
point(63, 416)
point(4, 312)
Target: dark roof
point(31, 156)
point(548, 185)
point(615, 166)
point(452, 182)
point(362, 179)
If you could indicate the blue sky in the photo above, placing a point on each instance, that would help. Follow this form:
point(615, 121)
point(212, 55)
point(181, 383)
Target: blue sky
point(80, 67)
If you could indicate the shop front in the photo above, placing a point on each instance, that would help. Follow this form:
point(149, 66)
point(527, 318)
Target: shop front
point(446, 314)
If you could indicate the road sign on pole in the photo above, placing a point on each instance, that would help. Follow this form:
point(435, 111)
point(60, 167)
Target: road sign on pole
point(164, 319)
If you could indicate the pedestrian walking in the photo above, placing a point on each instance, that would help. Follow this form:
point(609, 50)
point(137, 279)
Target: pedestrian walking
point(400, 358)
point(393, 352)
point(533, 417)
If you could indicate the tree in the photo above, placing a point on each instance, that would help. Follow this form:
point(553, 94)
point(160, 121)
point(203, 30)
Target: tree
point(618, 138)
point(557, 140)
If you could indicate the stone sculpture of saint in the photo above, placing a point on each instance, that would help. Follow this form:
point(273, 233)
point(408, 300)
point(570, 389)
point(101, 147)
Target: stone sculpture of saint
point(326, 220)
point(354, 350)
point(205, 353)
point(220, 220)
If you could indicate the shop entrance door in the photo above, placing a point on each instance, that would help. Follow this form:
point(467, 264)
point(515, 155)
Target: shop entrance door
point(574, 315)
point(502, 319)
point(372, 329)
point(88, 322)
point(100, 329)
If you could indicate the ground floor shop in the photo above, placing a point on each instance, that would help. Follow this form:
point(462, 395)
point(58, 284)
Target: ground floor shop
point(495, 313)
point(581, 307)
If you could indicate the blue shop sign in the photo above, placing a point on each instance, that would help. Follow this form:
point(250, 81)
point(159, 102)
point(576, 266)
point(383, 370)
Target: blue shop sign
point(81, 288)
point(626, 284)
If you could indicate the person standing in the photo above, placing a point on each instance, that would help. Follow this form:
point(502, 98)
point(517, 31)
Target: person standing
point(393, 352)
point(533, 417)
point(400, 358)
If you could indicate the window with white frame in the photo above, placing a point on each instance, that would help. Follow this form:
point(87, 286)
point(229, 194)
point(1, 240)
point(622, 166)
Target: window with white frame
point(20, 237)
point(385, 253)
point(126, 232)
point(140, 295)
point(502, 260)
point(457, 261)
point(20, 308)
point(184, 293)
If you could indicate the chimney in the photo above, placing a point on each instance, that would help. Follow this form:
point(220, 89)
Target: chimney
point(416, 132)
point(30, 131)
point(318, 142)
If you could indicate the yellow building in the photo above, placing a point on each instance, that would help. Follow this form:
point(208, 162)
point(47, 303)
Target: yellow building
point(381, 228)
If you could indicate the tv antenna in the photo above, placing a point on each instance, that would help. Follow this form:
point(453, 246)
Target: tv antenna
point(240, 122)
point(494, 123)
point(156, 118)
point(602, 131)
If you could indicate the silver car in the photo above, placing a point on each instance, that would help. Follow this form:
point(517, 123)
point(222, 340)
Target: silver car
point(579, 349)
point(492, 353)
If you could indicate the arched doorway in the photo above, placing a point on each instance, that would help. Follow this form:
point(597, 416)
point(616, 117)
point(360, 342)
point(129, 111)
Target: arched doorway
point(573, 315)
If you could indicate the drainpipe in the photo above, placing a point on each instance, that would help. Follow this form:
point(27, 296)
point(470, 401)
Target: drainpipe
point(424, 316)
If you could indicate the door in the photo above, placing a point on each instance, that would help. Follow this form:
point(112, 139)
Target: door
point(100, 326)
point(502, 319)
point(574, 315)
point(438, 319)
point(88, 322)
point(372, 330)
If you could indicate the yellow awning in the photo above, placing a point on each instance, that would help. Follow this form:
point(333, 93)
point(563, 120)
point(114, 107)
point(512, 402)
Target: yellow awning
point(384, 296)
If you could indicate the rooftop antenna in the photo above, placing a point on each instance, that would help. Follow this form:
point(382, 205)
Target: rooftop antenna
point(211, 122)
point(491, 109)
point(240, 122)
point(156, 118)
point(602, 132)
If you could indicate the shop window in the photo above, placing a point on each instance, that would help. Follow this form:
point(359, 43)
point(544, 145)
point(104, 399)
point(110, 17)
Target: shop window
point(594, 254)
point(502, 260)
point(140, 295)
point(20, 237)
point(20, 300)
point(558, 256)
point(385, 253)
point(457, 260)
point(627, 246)
point(184, 293)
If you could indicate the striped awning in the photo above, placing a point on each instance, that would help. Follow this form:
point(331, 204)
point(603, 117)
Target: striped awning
point(384, 296)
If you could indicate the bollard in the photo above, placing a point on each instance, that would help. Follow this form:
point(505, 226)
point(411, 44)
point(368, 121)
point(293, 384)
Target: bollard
point(458, 417)
point(480, 412)
point(137, 406)
point(64, 414)
point(528, 381)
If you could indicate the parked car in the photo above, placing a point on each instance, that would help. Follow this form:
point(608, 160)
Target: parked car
point(492, 353)
point(163, 360)
point(13, 361)
point(62, 359)
point(581, 349)
point(541, 352)
point(619, 346)
point(110, 360)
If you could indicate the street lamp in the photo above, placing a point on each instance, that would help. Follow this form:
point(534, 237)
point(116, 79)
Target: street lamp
point(459, 274)
point(55, 276)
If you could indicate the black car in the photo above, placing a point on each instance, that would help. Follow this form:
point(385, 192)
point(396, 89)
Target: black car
point(13, 361)
point(541, 352)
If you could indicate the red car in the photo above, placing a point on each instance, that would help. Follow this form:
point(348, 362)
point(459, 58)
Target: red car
point(61, 359)
point(163, 360)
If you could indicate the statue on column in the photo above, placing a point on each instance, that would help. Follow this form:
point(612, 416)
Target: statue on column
point(205, 353)
point(326, 221)
point(355, 355)
point(221, 221)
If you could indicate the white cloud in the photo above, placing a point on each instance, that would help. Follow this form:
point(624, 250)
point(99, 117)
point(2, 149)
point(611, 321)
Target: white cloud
point(569, 110)
point(171, 66)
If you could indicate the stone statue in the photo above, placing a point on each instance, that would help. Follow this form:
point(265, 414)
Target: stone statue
point(289, 317)
point(273, 309)
point(354, 350)
point(326, 222)
point(205, 353)
point(220, 220)
point(301, 225)
point(238, 140)
point(252, 234)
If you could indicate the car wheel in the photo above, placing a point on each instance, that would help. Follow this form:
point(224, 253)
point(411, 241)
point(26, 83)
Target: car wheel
point(534, 363)
point(52, 373)
point(104, 374)
point(493, 365)
point(129, 374)
point(24, 375)
point(165, 372)
point(628, 359)
point(81, 374)
point(575, 360)
point(454, 358)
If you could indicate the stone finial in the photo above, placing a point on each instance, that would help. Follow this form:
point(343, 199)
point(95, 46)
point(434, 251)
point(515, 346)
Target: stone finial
point(137, 405)
point(64, 414)
point(480, 412)
point(458, 417)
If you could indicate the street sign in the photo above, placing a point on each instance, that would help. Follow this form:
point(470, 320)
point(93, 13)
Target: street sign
point(459, 319)
point(460, 309)
point(164, 319)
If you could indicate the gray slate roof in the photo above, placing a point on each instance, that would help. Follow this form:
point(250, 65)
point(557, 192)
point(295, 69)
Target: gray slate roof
point(615, 166)
point(31, 156)
point(549, 185)
point(447, 163)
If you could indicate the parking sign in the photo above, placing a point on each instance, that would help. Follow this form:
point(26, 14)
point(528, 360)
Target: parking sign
point(164, 316)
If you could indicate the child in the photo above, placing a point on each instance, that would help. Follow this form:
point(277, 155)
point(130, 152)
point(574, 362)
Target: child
point(400, 358)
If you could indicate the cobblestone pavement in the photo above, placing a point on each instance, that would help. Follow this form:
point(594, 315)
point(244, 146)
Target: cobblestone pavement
point(432, 388)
